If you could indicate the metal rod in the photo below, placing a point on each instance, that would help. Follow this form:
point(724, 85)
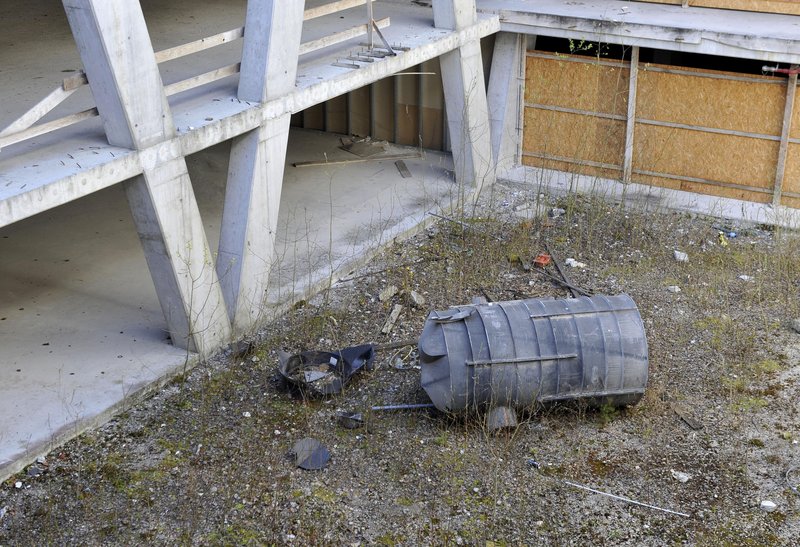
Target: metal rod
point(370, 22)
point(621, 498)
point(403, 407)
point(562, 282)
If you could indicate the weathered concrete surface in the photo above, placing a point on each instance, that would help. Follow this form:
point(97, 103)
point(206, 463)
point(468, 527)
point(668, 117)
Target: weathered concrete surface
point(81, 329)
point(764, 36)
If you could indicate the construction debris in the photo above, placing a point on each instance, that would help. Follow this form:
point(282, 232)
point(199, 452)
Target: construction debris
point(396, 311)
point(325, 373)
point(310, 454)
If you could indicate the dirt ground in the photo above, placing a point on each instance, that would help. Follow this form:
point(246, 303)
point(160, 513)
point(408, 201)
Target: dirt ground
point(206, 460)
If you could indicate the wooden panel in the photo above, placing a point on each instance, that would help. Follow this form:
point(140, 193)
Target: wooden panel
point(693, 154)
point(314, 117)
point(579, 85)
point(407, 113)
point(712, 102)
point(791, 7)
point(569, 167)
point(359, 107)
point(795, 130)
point(336, 115)
point(703, 188)
point(789, 201)
point(574, 136)
point(383, 109)
point(791, 178)
point(431, 98)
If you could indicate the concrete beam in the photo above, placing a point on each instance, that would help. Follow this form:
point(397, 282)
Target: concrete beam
point(115, 47)
point(255, 172)
point(118, 58)
point(465, 97)
point(506, 85)
point(273, 29)
point(250, 219)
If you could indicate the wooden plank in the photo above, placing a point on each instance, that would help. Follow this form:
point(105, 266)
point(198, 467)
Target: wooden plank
point(568, 135)
point(691, 154)
point(199, 45)
point(403, 168)
point(692, 98)
point(38, 111)
point(333, 7)
point(630, 122)
point(201, 79)
point(571, 167)
point(339, 37)
point(547, 79)
point(788, 114)
point(41, 129)
point(75, 81)
point(791, 177)
point(390, 157)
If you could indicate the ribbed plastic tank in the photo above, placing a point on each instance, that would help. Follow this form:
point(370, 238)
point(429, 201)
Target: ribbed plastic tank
point(522, 352)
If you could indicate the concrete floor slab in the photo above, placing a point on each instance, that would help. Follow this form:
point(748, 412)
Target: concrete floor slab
point(81, 330)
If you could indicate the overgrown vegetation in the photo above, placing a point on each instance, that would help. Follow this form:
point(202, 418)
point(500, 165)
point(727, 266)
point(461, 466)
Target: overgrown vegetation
point(204, 461)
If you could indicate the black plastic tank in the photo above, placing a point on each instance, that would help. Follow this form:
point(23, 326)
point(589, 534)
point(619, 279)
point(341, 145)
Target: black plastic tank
point(522, 352)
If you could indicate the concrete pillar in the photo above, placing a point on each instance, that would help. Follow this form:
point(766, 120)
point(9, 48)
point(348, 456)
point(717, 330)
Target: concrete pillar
point(118, 57)
point(505, 98)
point(465, 97)
point(255, 174)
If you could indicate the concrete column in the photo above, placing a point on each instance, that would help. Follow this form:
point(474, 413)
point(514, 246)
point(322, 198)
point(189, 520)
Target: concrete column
point(465, 97)
point(118, 57)
point(255, 174)
point(505, 98)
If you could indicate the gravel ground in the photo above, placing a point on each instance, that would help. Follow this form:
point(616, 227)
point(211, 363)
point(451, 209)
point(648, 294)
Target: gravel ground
point(206, 460)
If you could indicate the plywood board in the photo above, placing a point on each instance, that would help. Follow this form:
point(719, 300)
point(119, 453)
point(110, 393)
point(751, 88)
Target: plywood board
point(383, 109)
point(702, 100)
point(791, 7)
point(359, 108)
point(431, 99)
point(314, 117)
point(569, 167)
point(407, 110)
point(577, 85)
point(701, 188)
point(791, 177)
point(574, 136)
point(695, 154)
point(336, 115)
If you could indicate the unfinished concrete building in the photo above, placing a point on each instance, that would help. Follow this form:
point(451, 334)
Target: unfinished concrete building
point(171, 172)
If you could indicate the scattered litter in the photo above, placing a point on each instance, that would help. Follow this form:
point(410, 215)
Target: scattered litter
point(3, 512)
point(722, 239)
point(680, 476)
point(34, 471)
point(246, 414)
point(674, 288)
point(533, 463)
point(310, 454)
point(746, 277)
point(542, 260)
point(555, 212)
point(396, 311)
point(572, 263)
point(501, 417)
point(416, 299)
point(363, 148)
point(686, 416)
point(680, 256)
point(350, 420)
point(18, 484)
point(387, 293)
point(768, 506)
point(621, 498)
point(322, 372)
